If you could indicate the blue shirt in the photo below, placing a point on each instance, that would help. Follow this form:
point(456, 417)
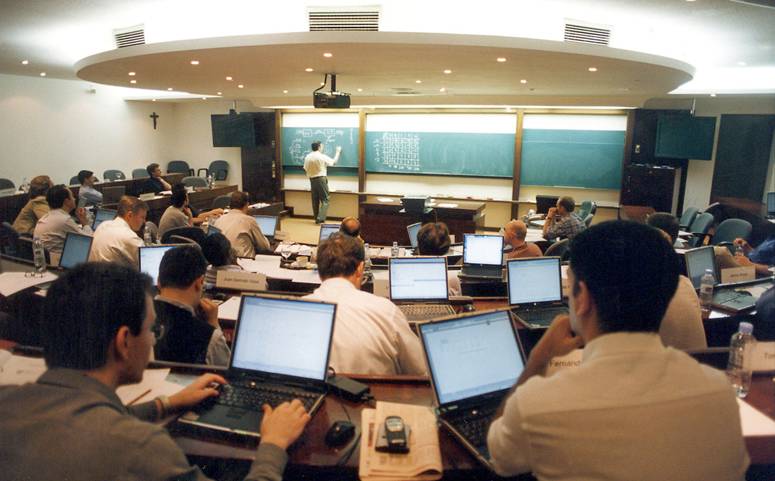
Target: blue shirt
point(764, 253)
point(765, 306)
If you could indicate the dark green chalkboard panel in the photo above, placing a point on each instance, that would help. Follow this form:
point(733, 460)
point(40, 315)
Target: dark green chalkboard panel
point(476, 155)
point(296, 143)
point(572, 158)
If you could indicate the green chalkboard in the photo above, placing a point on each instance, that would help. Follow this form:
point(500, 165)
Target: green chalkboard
point(476, 155)
point(572, 158)
point(296, 143)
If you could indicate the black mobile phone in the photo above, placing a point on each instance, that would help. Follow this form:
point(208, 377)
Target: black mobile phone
point(395, 432)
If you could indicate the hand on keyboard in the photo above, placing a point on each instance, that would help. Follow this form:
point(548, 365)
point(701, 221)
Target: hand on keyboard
point(284, 424)
point(196, 392)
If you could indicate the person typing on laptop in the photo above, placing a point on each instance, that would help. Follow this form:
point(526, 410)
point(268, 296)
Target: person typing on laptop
point(633, 409)
point(70, 424)
point(433, 240)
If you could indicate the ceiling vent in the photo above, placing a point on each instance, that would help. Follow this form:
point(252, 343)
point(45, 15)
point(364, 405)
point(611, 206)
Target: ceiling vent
point(129, 36)
point(579, 32)
point(344, 19)
point(757, 3)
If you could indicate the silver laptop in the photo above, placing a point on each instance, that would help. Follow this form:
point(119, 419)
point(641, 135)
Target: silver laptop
point(76, 250)
point(281, 352)
point(326, 230)
point(101, 216)
point(697, 261)
point(474, 359)
point(267, 224)
point(150, 259)
point(419, 287)
point(535, 290)
point(412, 230)
point(482, 256)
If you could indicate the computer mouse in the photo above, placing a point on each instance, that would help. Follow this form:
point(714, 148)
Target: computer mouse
point(340, 433)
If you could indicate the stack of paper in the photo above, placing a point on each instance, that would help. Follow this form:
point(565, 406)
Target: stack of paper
point(153, 385)
point(13, 282)
point(19, 369)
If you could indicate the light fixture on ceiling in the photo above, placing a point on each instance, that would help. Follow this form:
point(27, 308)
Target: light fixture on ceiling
point(133, 81)
point(25, 62)
point(443, 89)
point(741, 63)
point(219, 93)
point(42, 74)
point(712, 95)
point(500, 59)
point(169, 88)
point(132, 74)
point(592, 69)
point(240, 86)
point(204, 98)
point(285, 91)
point(195, 62)
point(418, 81)
point(360, 90)
point(328, 54)
point(153, 100)
point(447, 71)
point(309, 69)
point(523, 81)
point(229, 79)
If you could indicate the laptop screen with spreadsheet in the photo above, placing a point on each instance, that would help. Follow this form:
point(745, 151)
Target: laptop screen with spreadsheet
point(150, 259)
point(76, 250)
point(418, 278)
point(267, 224)
point(534, 280)
point(412, 231)
point(483, 249)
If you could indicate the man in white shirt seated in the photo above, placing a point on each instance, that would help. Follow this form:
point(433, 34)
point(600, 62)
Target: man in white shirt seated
point(179, 213)
point(371, 335)
point(241, 229)
point(117, 240)
point(87, 192)
point(433, 240)
point(316, 165)
point(634, 409)
point(53, 227)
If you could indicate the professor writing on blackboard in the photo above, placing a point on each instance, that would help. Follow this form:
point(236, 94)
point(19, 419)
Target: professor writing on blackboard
point(316, 166)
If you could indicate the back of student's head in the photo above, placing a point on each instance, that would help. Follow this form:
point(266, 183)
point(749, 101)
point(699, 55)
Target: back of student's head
point(84, 309)
point(179, 194)
point(83, 175)
point(433, 239)
point(238, 200)
point(57, 196)
point(631, 272)
point(339, 256)
point(316, 145)
point(130, 203)
point(151, 168)
point(567, 203)
point(350, 226)
point(666, 222)
point(217, 250)
point(39, 186)
point(181, 266)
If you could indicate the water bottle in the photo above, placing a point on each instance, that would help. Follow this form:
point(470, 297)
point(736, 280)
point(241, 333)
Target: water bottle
point(38, 256)
point(210, 181)
point(147, 237)
point(706, 292)
point(739, 250)
point(394, 249)
point(366, 260)
point(739, 366)
point(25, 186)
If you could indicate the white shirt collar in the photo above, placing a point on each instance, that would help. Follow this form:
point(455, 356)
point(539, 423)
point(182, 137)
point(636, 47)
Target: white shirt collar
point(621, 342)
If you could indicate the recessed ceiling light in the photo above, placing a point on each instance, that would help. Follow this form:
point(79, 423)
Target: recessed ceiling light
point(418, 81)
point(42, 74)
point(285, 91)
point(195, 62)
point(328, 54)
point(204, 98)
point(169, 88)
point(741, 63)
point(500, 59)
point(690, 0)
point(523, 81)
point(360, 90)
point(592, 69)
point(153, 100)
point(132, 74)
point(219, 93)
point(443, 89)
point(309, 69)
point(229, 79)
point(712, 95)
point(448, 71)
point(240, 86)
point(133, 81)
point(25, 62)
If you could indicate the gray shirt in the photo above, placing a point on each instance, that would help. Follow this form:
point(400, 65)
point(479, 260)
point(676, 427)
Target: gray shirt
point(69, 426)
point(173, 218)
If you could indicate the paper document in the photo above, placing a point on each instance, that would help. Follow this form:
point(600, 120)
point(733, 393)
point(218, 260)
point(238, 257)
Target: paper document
point(19, 369)
point(754, 422)
point(298, 249)
point(258, 205)
point(154, 384)
point(229, 310)
point(13, 282)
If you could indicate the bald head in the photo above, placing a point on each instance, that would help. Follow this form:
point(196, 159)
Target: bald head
point(351, 226)
point(516, 231)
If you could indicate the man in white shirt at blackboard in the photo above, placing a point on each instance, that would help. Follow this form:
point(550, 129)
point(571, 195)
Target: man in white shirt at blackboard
point(316, 166)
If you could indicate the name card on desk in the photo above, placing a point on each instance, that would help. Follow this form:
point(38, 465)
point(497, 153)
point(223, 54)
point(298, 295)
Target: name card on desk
point(570, 360)
point(241, 281)
point(281, 235)
point(738, 274)
point(763, 357)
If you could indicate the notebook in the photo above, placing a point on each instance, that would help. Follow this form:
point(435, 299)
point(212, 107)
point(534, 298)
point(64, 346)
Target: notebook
point(280, 352)
point(150, 259)
point(326, 230)
point(267, 224)
point(535, 290)
point(474, 359)
point(111, 195)
point(412, 231)
point(101, 216)
point(76, 250)
point(418, 286)
point(482, 256)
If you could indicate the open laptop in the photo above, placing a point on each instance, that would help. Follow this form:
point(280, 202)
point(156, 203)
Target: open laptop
point(535, 290)
point(150, 259)
point(326, 230)
point(697, 261)
point(76, 250)
point(482, 256)
point(418, 286)
point(267, 224)
point(280, 352)
point(771, 205)
point(412, 230)
point(474, 359)
point(211, 229)
point(728, 297)
point(101, 216)
point(111, 195)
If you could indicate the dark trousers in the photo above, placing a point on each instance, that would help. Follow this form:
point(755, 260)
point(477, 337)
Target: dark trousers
point(319, 188)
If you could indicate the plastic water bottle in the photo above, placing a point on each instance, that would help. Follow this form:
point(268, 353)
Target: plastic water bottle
point(210, 181)
point(706, 292)
point(394, 250)
point(739, 250)
point(147, 237)
point(38, 256)
point(739, 366)
point(366, 260)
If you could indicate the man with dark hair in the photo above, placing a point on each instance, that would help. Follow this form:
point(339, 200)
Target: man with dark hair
point(371, 335)
point(633, 409)
point(87, 192)
point(69, 424)
point(155, 182)
point(218, 252)
point(560, 221)
point(36, 207)
point(514, 234)
point(53, 227)
point(242, 230)
point(316, 165)
point(179, 213)
point(188, 323)
point(351, 226)
point(117, 240)
point(433, 240)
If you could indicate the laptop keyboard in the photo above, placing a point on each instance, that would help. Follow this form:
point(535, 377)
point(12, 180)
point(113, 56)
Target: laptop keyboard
point(422, 312)
point(474, 428)
point(543, 316)
point(255, 397)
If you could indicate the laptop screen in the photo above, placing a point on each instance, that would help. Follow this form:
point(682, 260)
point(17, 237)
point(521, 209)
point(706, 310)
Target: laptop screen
point(697, 260)
point(483, 249)
point(150, 259)
point(771, 203)
point(473, 355)
point(211, 229)
point(534, 280)
point(418, 278)
point(412, 231)
point(76, 250)
point(267, 224)
point(101, 216)
point(284, 336)
point(326, 230)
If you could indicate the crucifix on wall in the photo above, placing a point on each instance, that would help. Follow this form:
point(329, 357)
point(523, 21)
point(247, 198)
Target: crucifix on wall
point(154, 116)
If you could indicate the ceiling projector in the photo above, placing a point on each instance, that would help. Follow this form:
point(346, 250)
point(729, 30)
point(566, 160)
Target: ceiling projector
point(332, 99)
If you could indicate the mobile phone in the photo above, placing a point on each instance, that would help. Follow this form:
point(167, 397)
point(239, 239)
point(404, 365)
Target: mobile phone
point(395, 432)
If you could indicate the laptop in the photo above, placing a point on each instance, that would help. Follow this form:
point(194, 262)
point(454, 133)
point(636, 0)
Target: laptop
point(326, 230)
point(545, 202)
point(101, 216)
point(76, 250)
point(267, 224)
point(415, 204)
point(111, 195)
point(535, 290)
point(474, 359)
point(211, 229)
point(418, 286)
point(482, 256)
point(697, 261)
point(726, 297)
point(280, 352)
point(771, 205)
point(412, 230)
point(150, 259)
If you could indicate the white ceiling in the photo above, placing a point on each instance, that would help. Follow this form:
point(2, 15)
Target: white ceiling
point(657, 46)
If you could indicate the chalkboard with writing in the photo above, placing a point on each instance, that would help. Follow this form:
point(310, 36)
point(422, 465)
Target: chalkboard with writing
point(296, 142)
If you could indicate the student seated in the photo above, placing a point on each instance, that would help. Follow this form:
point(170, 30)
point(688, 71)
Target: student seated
point(69, 424)
point(433, 240)
point(179, 213)
point(765, 308)
point(371, 335)
point(560, 221)
point(514, 235)
point(53, 227)
point(218, 252)
point(351, 226)
point(117, 240)
point(681, 326)
point(634, 409)
point(35, 208)
point(761, 258)
point(87, 192)
point(241, 229)
point(188, 323)
point(155, 182)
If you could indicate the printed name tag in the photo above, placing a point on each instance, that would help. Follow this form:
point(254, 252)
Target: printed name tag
point(738, 274)
point(572, 359)
point(241, 281)
point(763, 357)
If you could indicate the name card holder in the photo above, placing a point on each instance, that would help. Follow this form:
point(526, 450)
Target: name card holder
point(738, 274)
point(763, 357)
point(241, 281)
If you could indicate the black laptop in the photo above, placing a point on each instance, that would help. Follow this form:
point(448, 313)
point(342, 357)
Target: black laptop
point(267, 224)
point(419, 287)
point(535, 290)
point(76, 250)
point(474, 359)
point(101, 216)
point(482, 256)
point(280, 352)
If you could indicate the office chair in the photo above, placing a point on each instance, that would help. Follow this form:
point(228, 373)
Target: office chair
point(687, 217)
point(218, 168)
point(74, 180)
point(195, 234)
point(559, 249)
point(699, 229)
point(588, 219)
point(593, 210)
point(112, 175)
point(729, 230)
point(585, 209)
point(221, 202)
point(139, 174)
point(8, 239)
point(179, 167)
point(7, 184)
point(179, 239)
point(192, 181)
point(153, 229)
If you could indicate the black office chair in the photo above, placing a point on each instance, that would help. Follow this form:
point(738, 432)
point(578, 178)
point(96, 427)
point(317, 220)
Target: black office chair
point(688, 217)
point(74, 180)
point(699, 229)
point(153, 229)
point(193, 181)
point(221, 202)
point(112, 175)
point(8, 240)
point(218, 168)
point(179, 167)
point(139, 174)
point(193, 233)
point(559, 249)
point(7, 184)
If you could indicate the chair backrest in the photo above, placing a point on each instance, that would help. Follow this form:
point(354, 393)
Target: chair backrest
point(194, 233)
point(179, 167)
point(179, 239)
point(688, 217)
point(221, 202)
point(74, 180)
point(701, 223)
point(593, 209)
point(193, 181)
point(585, 209)
point(731, 229)
point(139, 174)
point(588, 219)
point(111, 175)
point(560, 249)
point(219, 169)
point(153, 229)
point(8, 239)
point(6, 184)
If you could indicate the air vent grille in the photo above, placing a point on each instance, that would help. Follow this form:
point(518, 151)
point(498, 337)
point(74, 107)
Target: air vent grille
point(349, 19)
point(130, 36)
point(575, 32)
